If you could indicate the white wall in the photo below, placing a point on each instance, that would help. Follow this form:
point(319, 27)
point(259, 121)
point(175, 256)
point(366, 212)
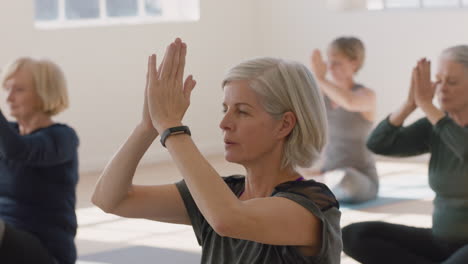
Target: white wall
point(394, 39)
point(105, 68)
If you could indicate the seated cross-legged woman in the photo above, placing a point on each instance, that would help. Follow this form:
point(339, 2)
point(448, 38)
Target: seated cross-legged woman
point(348, 167)
point(38, 167)
point(443, 133)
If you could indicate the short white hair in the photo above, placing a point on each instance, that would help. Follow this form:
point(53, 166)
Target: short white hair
point(288, 86)
point(457, 54)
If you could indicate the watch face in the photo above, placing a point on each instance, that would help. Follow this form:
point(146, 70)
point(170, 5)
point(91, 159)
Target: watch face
point(174, 131)
point(179, 130)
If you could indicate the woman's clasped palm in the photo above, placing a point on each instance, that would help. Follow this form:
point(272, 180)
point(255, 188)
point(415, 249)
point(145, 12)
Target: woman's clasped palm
point(424, 89)
point(167, 94)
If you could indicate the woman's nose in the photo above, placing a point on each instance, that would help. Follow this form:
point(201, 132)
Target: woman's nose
point(9, 97)
point(226, 123)
point(443, 87)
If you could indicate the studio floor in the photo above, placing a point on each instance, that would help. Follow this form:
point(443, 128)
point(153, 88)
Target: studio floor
point(404, 198)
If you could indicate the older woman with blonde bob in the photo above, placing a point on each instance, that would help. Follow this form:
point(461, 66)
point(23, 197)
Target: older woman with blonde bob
point(274, 121)
point(38, 167)
point(443, 133)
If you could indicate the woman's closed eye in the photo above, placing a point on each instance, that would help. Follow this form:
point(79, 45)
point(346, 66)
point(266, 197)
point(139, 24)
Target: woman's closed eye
point(241, 112)
point(238, 111)
point(452, 82)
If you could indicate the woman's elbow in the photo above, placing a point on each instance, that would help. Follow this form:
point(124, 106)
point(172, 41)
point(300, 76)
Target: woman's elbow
point(224, 226)
point(464, 155)
point(372, 146)
point(100, 203)
point(349, 105)
point(97, 202)
point(221, 229)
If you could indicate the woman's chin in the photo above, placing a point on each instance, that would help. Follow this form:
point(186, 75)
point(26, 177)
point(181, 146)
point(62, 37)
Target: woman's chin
point(13, 114)
point(228, 157)
point(447, 107)
point(231, 158)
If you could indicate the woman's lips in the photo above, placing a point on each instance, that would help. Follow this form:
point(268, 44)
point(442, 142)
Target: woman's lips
point(229, 143)
point(444, 99)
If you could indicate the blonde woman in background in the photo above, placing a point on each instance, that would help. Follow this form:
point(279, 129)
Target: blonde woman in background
point(38, 167)
point(274, 121)
point(349, 167)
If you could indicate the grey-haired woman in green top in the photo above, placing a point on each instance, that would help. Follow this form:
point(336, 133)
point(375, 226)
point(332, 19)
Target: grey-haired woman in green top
point(444, 134)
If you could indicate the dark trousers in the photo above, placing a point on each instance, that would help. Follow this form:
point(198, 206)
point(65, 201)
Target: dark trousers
point(379, 242)
point(20, 247)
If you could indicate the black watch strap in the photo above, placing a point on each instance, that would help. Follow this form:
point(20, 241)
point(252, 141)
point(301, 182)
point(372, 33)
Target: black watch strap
point(174, 131)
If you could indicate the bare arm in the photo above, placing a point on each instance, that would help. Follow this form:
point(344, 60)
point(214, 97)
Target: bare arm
point(115, 193)
point(363, 100)
point(256, 220)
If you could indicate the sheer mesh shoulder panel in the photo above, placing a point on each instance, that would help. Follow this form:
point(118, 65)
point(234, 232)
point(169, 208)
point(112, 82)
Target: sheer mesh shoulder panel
point(315, 191)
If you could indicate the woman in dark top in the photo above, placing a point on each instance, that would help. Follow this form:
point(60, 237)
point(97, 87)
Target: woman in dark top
point(274, 121)
point(38, 167)
point(443, 133)
point(348, 167)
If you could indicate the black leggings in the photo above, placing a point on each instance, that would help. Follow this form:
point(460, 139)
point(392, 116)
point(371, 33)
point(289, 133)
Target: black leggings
point(379, 242)
point(20, 247)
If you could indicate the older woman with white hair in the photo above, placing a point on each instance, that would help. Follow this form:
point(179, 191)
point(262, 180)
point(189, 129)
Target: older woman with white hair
point(443, 133)
point(38, 167)
point(274, 120)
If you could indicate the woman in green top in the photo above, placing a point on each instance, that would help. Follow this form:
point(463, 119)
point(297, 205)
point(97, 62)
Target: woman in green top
point(274, 120)
point(444, 134)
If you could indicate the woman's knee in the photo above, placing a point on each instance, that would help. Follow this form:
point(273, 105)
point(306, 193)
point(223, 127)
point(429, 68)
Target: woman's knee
point(459, 257)
point(19, 246)
point(351, 235)
point(355, 236)
point(2, 231)
point(355, 190)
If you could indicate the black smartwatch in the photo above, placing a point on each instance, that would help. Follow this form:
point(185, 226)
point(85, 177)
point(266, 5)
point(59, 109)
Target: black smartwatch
point(174, 131)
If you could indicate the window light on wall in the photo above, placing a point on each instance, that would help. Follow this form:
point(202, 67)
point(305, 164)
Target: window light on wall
point(393, 4)
point(76, 13)
point(402, 4)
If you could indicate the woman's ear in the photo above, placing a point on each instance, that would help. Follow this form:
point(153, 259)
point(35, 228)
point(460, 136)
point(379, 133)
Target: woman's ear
point(288, 122)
